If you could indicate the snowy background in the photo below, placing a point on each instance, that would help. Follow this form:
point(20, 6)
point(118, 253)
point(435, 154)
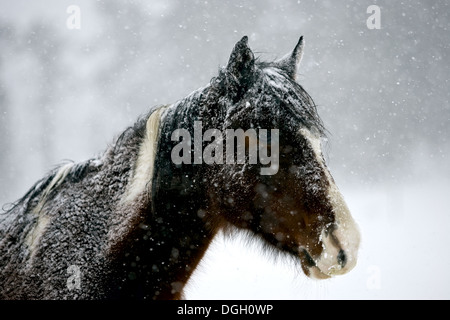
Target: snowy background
point(382, 93)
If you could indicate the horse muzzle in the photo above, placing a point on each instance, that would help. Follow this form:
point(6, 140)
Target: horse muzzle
point(339, 254)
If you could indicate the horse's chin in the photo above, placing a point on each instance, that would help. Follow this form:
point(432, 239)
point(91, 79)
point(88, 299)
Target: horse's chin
point(312, 271)
point(315, 273)
point(323, 269)
point(309, 266)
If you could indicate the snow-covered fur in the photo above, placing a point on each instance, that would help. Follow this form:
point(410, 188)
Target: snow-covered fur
point(64, 220)
point(132, 224)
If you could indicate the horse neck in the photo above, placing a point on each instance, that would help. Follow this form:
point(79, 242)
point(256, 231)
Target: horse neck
point(169, 233)
point(180, 234)
point(207, 104)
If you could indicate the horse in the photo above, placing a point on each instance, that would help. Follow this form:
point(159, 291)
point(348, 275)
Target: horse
point(133, 224)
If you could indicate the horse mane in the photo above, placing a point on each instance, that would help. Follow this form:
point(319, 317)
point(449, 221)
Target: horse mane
point(268, 79)
point(298, 102)
point(18, 219)
point(69, 171)
point(43, 188)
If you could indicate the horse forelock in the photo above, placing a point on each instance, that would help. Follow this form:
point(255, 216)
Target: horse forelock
point(268, 89)
point(298, 103)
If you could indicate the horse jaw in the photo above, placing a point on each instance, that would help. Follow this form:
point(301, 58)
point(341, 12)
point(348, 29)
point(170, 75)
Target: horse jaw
point(341, 240)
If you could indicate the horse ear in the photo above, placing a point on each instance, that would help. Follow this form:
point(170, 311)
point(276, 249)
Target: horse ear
point(290, 62)
point(242, 61)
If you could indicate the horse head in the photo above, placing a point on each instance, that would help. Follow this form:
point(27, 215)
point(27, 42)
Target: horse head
point(296, 206)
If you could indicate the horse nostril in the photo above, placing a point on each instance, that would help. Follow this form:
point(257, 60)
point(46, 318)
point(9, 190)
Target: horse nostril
point(309, 260)
point(342, 258)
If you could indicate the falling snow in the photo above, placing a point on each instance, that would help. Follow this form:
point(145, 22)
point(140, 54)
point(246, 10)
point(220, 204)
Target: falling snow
point(383, 95)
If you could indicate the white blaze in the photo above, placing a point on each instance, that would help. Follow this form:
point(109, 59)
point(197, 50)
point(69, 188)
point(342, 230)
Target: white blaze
point(346, 235)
